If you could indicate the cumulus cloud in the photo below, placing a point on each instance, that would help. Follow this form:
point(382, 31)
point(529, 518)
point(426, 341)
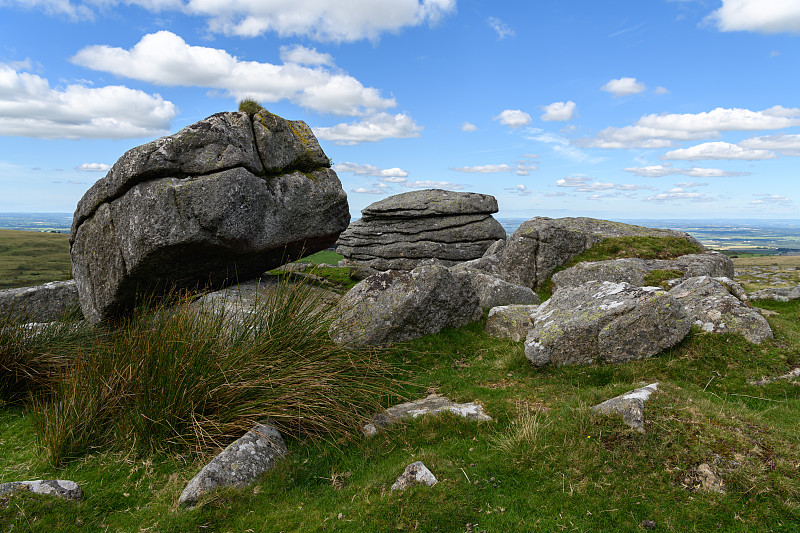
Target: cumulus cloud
point(559, 111)
point(485, 169)
point(559, 143)
point(164, 58)
point(503, 30)
point(584, 184)
point(316, 19)
point(770, 199)
point(763, 16)
point(29, 107)
point(690, 185)
point(657, 171)
point(93, 167)
point(468, 126)
point(427, 184)
point(718, 150)
point(678, 194)
point(783, 143)
point(521, 190)
point(371, 129)
point(371, 170)
point(659, 131)
point(513, 118)
point(362, 190)
point(624, 87)
point(661, 90)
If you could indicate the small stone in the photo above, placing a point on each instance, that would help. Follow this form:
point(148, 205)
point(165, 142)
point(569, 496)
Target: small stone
point(56, 487)
point(648, 524)
point(415, 473)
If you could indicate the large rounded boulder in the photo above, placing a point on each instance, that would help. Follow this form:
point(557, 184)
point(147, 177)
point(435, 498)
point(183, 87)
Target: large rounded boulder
point(220, 201)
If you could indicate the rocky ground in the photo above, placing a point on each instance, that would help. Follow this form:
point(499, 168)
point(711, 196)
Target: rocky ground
point(769, 271)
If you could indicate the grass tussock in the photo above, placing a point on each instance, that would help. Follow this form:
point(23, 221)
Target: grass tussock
point(250, 106)
point(174, 378)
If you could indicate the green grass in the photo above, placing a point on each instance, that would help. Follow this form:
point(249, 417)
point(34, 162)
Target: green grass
point(31, 258)
point(547, 462)
point(250, 106)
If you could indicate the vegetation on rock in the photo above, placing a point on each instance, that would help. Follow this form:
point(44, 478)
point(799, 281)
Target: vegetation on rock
point(250, 106)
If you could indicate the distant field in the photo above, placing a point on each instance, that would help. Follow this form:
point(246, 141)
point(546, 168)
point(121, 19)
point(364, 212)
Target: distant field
point(768, 260)
point(30, 258)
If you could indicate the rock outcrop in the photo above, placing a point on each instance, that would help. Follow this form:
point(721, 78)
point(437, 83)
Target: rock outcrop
point(541, 245)
point(603, 321)
point(432, 404)
point(635, 270)
point(221, 200)
point(398, 305)
point(239, 464)
point(55, 487)
point(41, 303)
point(779, 294)
point(493, 291)
point(719, 305)
point(510, 321)
point(401, 231)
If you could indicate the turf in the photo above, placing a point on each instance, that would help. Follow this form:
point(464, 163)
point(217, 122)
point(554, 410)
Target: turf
point(31, 258)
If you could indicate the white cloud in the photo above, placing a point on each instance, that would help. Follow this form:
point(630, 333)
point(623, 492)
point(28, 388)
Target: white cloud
point(763, 16)
point(301, 55)
point(433, 185)
point(317, 19)
point(771, 199)
point(584, 184)
point(29, 107)
point(661, 90)
point(679, 194)
point(164, 58)
point(94, 167)
point(513, 118)
point(657, 171)
point(371, 129)
point(371, 170)
point(690, 185)
point(503, 30)
point(468, 126)
point(559, 111)
point(624, 87)
point(718, 150)
point(394, 179)
point(485, 169)
point(362, 190)
point(783, 143)
point(560, 144)
point(521, 190)
point(659, 131)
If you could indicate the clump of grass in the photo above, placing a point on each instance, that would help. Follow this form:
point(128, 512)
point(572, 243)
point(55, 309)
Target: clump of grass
point(658, 278)
point(33, 355)
point(250, 106)
point(643, 247)
point(172, 378)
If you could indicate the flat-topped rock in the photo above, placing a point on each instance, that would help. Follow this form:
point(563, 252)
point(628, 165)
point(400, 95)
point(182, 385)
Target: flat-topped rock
point(404, 230)
point(542, 244)
point(635, 270)
point(222, 200)
point(41, 303)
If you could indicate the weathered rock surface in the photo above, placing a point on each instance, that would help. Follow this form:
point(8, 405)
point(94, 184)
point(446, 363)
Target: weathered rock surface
point(56, 487)
point(719, 305)
point(634, 270)
point(209, 205)
point(415, 473)
point(433, 403)
point(239, 464)
point(629, 405)
point(541, 244)
point(510, 321)
point(396, 305)
point(784, 294)
point(493, 291)
point(793, 374)
point(604, 321)
point(41, 303)
point(404, 230)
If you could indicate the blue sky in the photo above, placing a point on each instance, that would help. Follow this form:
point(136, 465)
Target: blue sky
point(619, 109)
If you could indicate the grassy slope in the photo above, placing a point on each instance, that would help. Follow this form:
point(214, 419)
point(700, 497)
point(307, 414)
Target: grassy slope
point(31, 258)
point(546, 463)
